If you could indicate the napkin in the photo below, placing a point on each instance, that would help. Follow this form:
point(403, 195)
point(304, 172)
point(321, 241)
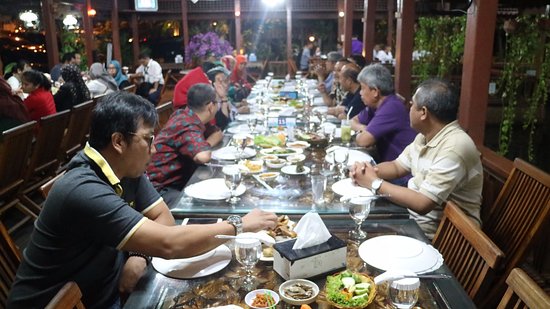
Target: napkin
point(311, 231)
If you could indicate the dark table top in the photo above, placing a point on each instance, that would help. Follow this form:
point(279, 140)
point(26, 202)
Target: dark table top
point(158, 291)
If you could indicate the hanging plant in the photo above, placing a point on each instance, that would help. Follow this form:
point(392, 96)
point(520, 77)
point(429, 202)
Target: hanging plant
point(202, 46)
point(522, 46)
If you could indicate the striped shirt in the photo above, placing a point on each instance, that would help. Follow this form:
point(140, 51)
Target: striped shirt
point(448, 167)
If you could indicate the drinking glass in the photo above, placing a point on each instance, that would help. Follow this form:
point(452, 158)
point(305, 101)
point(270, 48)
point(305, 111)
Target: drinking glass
point(251, 122)
point(240, 141)
point(404, 292)
point(247, 252)
point(233, 177)
point(359, 209)
point(341, 156)
point(318, 187)
point(345, 129)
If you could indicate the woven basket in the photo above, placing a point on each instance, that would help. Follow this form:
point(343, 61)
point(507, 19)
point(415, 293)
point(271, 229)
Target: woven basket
point(372, 294)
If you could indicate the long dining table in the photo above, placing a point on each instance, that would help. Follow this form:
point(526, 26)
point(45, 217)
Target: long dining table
point(158, 291)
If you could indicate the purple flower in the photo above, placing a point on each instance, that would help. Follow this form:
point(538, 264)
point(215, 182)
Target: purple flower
point(203, 45)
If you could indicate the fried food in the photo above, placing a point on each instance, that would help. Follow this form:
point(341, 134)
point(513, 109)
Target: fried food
point(282, 228)
point(263, 300)
point(252, 166)
point(267, 251)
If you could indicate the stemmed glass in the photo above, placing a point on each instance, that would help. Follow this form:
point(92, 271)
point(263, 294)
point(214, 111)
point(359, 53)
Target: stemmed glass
point(233, 177)
point(359, 209)
point(251, 122)
point(341, 156)
point(240, 141)
point(247, 252)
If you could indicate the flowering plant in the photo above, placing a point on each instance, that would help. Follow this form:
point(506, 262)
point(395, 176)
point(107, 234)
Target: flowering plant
point(206, 45)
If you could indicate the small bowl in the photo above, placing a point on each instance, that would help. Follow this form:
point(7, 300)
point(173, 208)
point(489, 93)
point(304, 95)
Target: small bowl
point(292, 301)
point(275, 163)
point(249, 298)
point(298, 144)
point(295, 158)
point(269, 157)
point(269, 176)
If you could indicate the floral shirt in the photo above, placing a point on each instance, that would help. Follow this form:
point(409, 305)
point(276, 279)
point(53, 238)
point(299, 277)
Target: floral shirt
point(177, 144)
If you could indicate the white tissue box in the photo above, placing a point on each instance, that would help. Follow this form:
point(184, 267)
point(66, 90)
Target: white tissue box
point(309, 262)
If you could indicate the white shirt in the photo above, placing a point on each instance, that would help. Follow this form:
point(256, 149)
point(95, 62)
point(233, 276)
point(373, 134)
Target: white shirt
point(97, 88)
point(152, 72)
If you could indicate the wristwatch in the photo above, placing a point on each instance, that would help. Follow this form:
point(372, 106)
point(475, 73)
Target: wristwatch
point(376, 184)
point(237, 223)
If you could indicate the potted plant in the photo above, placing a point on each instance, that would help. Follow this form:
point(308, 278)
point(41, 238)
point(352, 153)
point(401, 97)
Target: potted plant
point(206, 45)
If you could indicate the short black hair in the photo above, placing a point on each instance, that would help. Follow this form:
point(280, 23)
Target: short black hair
point(68, 57)
point(199, 96)
point(37, 78)
point(121, 112)
point(144, 55)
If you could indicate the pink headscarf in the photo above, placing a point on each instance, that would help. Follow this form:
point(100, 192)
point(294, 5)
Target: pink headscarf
point(236, 76)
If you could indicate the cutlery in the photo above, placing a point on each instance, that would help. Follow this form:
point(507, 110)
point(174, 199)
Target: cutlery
point(391, 276)
point(263, 183)
point(346, 198)
point(268, 240)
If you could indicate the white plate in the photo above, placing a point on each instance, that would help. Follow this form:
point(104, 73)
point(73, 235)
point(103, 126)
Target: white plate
point(291, 170)
point(195, 267)
point(345, 187)
point(230, 153)
point(242, 128)
point(400, 252)
point(269, 151)
point(298, 144)
point(320, 109)
point(212, 190)
point(245, 117)
point(354, 156)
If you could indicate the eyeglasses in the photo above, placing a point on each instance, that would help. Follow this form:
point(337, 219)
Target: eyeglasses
point(149, 138)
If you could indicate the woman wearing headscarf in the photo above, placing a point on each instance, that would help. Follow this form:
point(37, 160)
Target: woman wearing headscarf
point(115, 70)
point(240, 88)
point(73, 91)
point(101, 82)
point(12, 110)
point(40, 102)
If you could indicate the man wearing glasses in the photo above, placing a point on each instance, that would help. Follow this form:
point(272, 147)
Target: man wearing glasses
point(184, 142)
point(105, 207)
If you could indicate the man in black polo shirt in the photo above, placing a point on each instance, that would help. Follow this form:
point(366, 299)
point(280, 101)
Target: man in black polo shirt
point(104, 205)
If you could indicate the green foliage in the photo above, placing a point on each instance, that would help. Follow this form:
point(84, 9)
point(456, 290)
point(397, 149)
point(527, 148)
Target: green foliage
point(442, 38)
point(72, 43)
point(525, 50)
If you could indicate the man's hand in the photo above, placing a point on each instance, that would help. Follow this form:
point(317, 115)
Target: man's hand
point(243, 110)
point(362, 174)
point(322, 88)
point(258, 220)
point(215, 138)
point(133, 270)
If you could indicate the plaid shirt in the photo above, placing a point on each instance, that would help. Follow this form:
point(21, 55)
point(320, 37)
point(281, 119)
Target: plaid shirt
point(177, 144)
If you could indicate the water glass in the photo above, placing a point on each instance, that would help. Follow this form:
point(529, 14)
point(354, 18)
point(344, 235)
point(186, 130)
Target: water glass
point(251, 122)
point(341, 156)
point(247, 252)
point(345, 129)
point(240, 141)
point(233, 177)
point(359, 209)
point(318, 187)
point(404, 293)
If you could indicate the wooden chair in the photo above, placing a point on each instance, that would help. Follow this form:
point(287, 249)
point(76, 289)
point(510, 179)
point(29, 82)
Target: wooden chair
point(166, 79)
point(45, 188)
point(69, 297)
point(523, 292)
point(468, 252)
point(518, 216)
point(9, 262)
point(44, 158)
point(79, 125)
point(131, 88)
point(164, 111)
point(15, 148)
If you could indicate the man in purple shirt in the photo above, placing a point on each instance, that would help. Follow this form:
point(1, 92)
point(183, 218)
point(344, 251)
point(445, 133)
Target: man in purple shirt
point(385, 120)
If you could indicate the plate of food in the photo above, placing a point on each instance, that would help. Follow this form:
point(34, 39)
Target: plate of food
point(231, 153)
point(298, 291)
point(298, 144)
point(270, 140)
point(262, 298)
point(295, 170)
point(275, 163)
point(282, 232)
point(349, 290)
point(269, 176)
point(251, 166)
point(281, 152)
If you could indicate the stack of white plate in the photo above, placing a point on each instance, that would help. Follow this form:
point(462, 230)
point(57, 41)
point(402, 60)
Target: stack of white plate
point(212, 189)
point(231, 153)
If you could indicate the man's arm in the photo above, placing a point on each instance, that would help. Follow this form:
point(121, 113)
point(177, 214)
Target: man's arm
point(155, 239)
point(203, 157)
point(161, 214)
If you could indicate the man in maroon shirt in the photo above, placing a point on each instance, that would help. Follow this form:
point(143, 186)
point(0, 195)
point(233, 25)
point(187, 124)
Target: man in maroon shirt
point(183, 143)
point(195, 76)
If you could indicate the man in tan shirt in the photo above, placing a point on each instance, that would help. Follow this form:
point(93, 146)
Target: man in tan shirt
point(443, 160)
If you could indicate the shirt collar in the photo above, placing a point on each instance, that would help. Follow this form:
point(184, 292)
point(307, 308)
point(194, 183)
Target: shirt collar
point(442, 133)
point(106, 169)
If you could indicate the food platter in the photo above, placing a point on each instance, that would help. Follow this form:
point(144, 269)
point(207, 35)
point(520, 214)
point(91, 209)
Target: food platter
point(281, 152)
point(282, 232)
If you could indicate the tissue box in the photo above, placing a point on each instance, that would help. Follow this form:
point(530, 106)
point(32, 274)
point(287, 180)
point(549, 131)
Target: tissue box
point(309, 262)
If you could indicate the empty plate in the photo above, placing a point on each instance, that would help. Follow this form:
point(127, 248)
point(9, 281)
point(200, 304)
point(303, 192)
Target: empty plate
point(346, 187)
point(212, 189)
point(354, 156)
point(194, 267)
point(230, 153)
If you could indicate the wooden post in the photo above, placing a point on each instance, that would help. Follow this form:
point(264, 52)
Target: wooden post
point(88, 33)
point(289, 34)
point(369, 29)
point(404, 47)
point(238, 34)
point(342, 9)
point(115, 34)
point(391, 18)
point(51, 33)
point(476, 71)
point(135, 41)
point(185, 23)
point(348, 25)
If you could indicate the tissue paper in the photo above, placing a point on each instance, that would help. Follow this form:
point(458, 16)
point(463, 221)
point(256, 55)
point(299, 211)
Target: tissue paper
point(311, 231)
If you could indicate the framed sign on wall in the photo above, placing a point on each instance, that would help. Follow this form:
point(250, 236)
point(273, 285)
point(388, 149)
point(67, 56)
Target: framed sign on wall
point(146, 5)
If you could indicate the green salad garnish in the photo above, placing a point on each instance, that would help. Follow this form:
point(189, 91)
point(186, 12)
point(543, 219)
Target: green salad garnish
point(267, 141)
point(348, 289)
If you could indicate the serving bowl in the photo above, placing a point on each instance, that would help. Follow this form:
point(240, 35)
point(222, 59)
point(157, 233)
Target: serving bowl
point(296, 158)
point(249, 298)
point(297, 287)
point(275, 163)
point(269, 176)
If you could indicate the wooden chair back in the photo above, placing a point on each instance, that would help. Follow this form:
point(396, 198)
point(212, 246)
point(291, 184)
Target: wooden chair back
point(69, 297)
point(521, 209)
point(523, 292)
point(164, 111)
point(45, 188)
point(79, 125)
point(292, 69)
point(166, 79)
point(472, 257)
point(131, 88)
point(9, 262)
